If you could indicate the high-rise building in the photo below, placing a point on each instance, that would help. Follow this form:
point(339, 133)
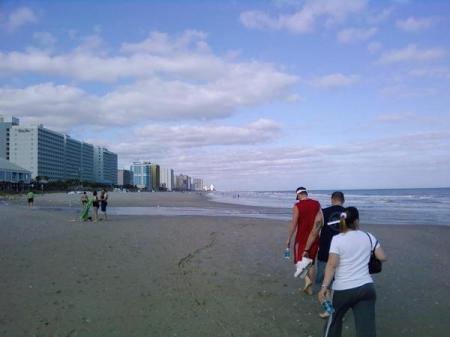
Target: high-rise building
point(125, 178)
point(87, 162)
point(166, 179)
point(38, 150)
point(198, 184)
point(72, 159)
point(156, 181)
point(5, 127)
point(142, 175)
point(183, 182)
point(54, 156)
point(105, 166)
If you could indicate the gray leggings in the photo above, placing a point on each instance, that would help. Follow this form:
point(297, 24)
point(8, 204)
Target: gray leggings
point(362, 301)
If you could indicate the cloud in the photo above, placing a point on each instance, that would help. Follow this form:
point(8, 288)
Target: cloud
point(389, 159)
point(374, 46)
point(162, 44)
point(414, 25)
point(380, 16)
point(334, 80)
point(45, 39)
point(305, 19)
point(397, 91)
point(56, 106)
point(20, 17)
point(168, 78)
point(396, 117)
point(161, 137)
point(154, 99)
point(439, 72)
point(351, 35)
point(186, 58)
point(411, 53)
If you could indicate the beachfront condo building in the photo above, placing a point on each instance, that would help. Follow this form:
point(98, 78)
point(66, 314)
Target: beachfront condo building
point(198, 184)
point(5, 127)
point(166, 179)
point(72, 158)
point(38, 150)
point(53, 156)
point(183, 182)
point(87, 162)
point(156, 181)
point(105, 166)
point(125, 178)
point(142, 175)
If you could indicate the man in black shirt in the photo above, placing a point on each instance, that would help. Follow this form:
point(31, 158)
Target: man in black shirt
point(330, 228)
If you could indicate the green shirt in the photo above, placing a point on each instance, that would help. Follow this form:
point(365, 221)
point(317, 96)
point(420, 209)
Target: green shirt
point(30, 195)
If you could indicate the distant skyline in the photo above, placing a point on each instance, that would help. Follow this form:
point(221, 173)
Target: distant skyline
point(248, 95)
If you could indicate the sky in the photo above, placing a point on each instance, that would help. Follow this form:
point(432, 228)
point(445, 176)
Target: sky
point(248, 95)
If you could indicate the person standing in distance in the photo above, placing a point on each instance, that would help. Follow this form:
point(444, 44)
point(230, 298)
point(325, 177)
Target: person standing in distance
point(306, 215)
point(30, 199)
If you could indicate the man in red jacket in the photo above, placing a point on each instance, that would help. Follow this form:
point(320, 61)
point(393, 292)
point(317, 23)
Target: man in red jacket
point(306, 214)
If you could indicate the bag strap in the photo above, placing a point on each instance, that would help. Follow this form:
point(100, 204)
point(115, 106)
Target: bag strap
point(376, 242)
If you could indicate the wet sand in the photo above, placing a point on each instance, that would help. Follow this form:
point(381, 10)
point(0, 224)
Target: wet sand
point(193, 275)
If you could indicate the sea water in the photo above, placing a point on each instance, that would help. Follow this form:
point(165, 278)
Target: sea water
point(421, 206)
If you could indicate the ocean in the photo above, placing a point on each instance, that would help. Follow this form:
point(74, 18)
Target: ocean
point(417, 206)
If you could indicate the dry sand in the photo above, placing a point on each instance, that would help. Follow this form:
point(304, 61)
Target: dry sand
point(193, 275)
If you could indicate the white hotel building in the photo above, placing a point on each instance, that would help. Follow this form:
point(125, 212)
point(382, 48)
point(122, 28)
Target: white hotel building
point(55, 156)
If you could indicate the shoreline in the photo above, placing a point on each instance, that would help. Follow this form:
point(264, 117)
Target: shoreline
point(161, 203)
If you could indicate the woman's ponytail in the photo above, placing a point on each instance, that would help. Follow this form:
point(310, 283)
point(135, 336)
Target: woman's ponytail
point(343, 222)
point(349, 219)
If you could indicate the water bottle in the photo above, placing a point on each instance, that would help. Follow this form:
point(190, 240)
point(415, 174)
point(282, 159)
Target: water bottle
point(328, 306)
point(287, 253)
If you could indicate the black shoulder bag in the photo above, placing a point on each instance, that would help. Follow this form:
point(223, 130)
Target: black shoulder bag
point(375, 265)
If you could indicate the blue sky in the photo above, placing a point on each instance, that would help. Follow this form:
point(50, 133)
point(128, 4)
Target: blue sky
point(253, 95)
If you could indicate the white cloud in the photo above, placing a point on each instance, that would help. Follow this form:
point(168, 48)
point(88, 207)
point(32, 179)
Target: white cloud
point(189, 136)
point(411, 53)
point(20, 17)
point(396, 117)
point(153, 99)
point(59, 106)
point(170, 79)
point(397, 91)
point(431, 72)
point(374, 46)
point(305, 19)
point(334, 80)
point(351, 35)
point(158, 56)
point(45, 39)
point(380, 16)
point(413, 24)
point(388, 159)
point(162, 44)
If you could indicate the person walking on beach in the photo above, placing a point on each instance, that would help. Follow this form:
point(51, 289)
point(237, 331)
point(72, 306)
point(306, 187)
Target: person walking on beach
point(329, 228)
point(84, 199)
point(104, 202)
point(30, 199)
point(352, 286)
point(95, 205)
point(306, 214)
point(87, 206)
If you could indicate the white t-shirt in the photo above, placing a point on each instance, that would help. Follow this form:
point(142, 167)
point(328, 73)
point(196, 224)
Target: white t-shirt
point(353, 248)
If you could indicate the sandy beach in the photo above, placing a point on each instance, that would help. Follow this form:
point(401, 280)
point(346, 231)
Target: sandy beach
point(192, 275)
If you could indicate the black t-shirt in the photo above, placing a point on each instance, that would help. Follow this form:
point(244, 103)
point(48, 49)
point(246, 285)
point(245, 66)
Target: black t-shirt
point(330, 214)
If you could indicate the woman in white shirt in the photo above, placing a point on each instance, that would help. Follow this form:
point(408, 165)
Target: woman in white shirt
point(352, 286)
